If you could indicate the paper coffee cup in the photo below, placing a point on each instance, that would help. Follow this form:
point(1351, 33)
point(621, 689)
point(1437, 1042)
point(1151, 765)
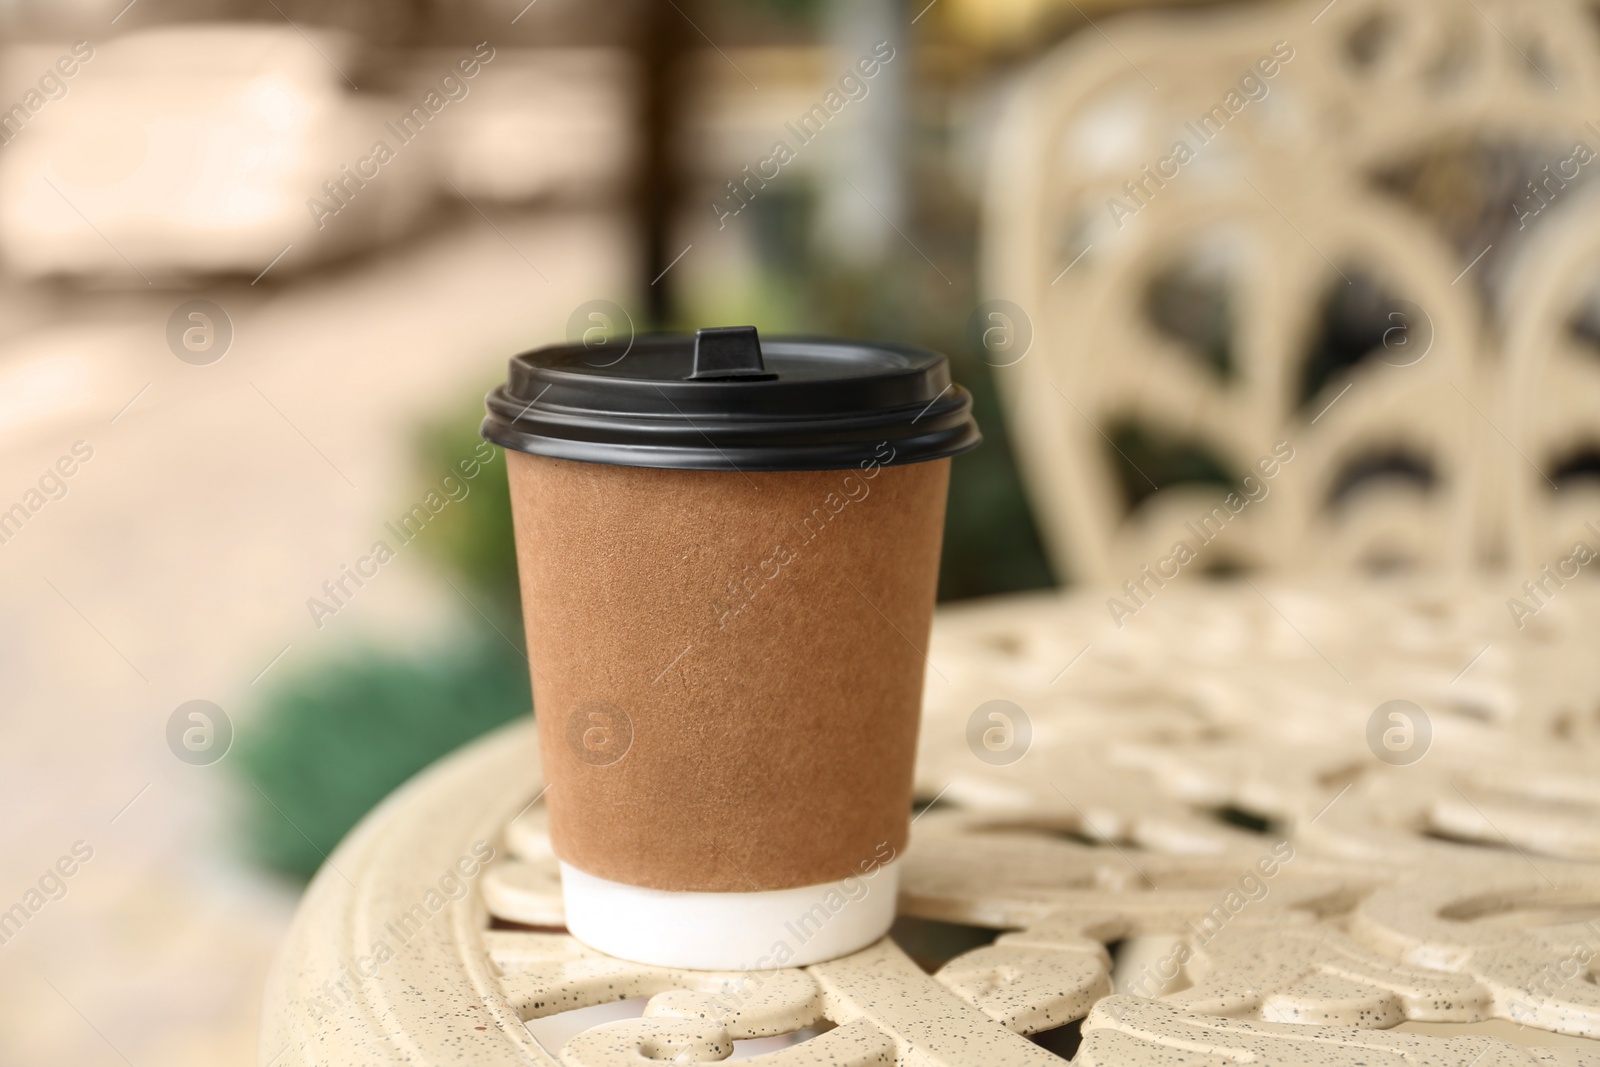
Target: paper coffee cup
point(728, 553)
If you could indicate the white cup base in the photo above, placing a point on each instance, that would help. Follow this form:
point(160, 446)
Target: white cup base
point(730, 931)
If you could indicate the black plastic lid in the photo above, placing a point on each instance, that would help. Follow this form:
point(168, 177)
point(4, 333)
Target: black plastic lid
point(724, 400)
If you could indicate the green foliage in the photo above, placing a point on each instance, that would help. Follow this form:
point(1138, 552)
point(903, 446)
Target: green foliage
point(471, 539)
point(336, 739)
point(991, 545)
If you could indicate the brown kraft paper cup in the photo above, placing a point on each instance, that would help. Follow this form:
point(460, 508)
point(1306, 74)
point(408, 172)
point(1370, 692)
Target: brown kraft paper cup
point(727, 622)
point(743, 656)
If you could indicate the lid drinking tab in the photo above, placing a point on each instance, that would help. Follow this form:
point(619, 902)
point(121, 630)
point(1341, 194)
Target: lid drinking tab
point(728, 352)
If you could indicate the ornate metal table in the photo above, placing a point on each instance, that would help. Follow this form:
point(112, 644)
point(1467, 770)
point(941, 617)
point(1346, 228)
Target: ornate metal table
point(1253, 824)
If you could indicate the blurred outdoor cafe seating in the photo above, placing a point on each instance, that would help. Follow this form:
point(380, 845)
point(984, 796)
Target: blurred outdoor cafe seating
point(1363, 229)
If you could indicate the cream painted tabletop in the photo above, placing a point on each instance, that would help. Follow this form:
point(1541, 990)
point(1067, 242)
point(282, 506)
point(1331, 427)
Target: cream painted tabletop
point(1253, 823)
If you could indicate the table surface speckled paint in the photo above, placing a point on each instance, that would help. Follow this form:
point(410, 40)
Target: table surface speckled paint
point(1186, 844)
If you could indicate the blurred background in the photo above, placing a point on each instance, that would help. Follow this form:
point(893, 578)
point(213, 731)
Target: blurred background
point(259, 262)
